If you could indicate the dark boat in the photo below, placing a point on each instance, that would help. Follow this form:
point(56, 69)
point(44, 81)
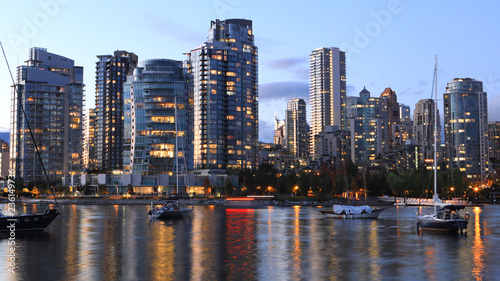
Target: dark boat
point(446, 218)
point(32, 222)
point(170, 210)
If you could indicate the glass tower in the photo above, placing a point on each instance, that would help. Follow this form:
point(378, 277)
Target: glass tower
point(224, 91)
point(327, 90)
point(111, 73)
point(297, 131)
point(367, 123)
point(151, 121)
point(89, 147)
point(423, 130)
point(50, 88)
point(466, 127)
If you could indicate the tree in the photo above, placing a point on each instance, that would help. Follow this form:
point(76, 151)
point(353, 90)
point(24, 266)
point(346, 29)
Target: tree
point(228, 186)
point(130, 189)
point(207, 186)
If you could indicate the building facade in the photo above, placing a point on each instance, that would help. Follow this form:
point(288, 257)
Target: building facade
point(279, 132)
point(297, 130)
point(367, 119)
point(155, 121)
point(466, 127)
point(393, 118)
point(406, 123)
point(50, 89)
point(327, 90)
point(111, 73)
point(494, 138)
point(331, 143)
point(224, 79)
point(89, 145)
point(424, 121)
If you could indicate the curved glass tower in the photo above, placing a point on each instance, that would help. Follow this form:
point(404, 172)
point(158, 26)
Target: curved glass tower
point(466, 127)
point(151, 121)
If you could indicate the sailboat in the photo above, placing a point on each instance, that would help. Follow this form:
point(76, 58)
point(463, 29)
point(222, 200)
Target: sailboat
point(11, 222)
point(445, 217)
point(172, 209)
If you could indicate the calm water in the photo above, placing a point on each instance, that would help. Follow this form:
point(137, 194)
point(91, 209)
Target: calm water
point(275, 243)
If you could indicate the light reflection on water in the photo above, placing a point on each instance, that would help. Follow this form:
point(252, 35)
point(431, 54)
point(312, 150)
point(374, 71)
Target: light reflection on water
point(275, 243)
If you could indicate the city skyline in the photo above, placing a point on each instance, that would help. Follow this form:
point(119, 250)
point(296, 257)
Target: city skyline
point(384, 45)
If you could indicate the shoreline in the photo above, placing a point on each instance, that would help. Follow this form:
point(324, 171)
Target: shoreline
point(157, 201)
point(201, 202)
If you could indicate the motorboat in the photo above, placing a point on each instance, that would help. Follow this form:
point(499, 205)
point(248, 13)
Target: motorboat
point(445, 218)
point(170, 210)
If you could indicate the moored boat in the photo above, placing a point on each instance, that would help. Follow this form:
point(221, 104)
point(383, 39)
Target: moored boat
point(170, 210)
point(446, 218)
point(352, 212)
point(33, 222)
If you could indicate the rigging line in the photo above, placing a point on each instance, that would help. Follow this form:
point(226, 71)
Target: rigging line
point(28, 123)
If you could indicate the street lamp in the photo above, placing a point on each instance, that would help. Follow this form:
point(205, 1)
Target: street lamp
point(295, 188)
point(269, 189)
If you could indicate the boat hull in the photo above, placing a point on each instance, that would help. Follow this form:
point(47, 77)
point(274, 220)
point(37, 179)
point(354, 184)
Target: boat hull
point(36, 222)
point(373, 215)
point(173, 214)
point(443, 225)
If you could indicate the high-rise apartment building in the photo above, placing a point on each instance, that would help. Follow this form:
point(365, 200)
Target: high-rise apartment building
point(327, 90)
point(223, 72)
point(297, 130)
point(111, 73)
point(406, 123)
point(151, 96)
point(367, 123)
point(50, 88)
point(466, 127)
point(494, 138)
point(424, 118)
point(279, 132)
point(331, 143)
point(89, 146)
point(393, 118)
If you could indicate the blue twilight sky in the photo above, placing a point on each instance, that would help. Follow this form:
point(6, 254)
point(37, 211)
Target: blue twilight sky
point(389, 43)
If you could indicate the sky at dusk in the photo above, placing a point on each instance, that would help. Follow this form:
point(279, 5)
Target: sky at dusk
point(390, 43)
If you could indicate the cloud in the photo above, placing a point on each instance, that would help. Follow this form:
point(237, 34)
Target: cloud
point(176, 31)
point(296, 66)
point(287, 62)
point(284, 91)
point(351, 90)
point(266, 131)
